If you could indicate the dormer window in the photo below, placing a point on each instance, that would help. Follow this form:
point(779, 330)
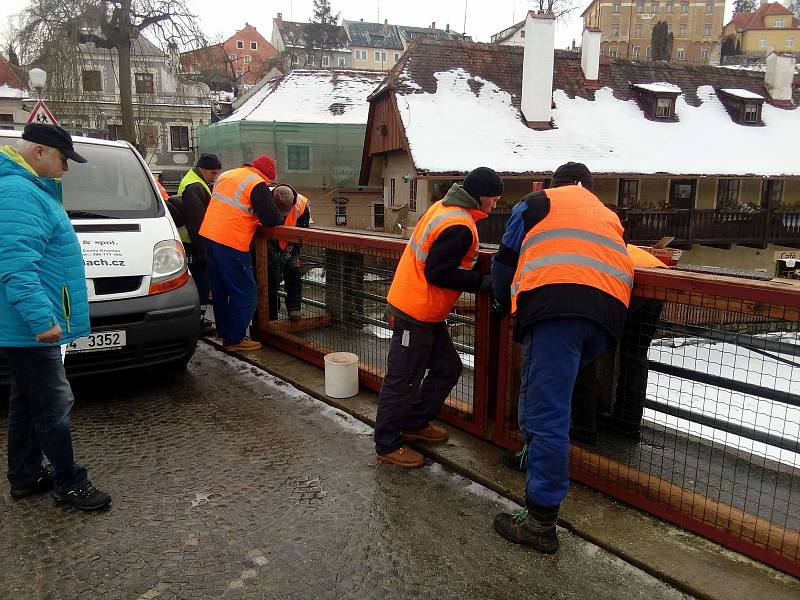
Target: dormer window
point(657, 100)
point(665, 108)
point(743, 106)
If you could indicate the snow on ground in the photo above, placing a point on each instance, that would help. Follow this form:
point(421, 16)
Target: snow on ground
point(733, 362)
point(6, 91)
point(608, 134)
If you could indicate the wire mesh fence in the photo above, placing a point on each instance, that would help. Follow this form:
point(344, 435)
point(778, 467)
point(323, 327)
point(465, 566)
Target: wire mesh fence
point(696, 415)
point(326, 292)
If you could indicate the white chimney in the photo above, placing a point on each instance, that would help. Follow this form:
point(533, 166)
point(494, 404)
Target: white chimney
point(537, 70)
point(590, 54)
point(779, 77)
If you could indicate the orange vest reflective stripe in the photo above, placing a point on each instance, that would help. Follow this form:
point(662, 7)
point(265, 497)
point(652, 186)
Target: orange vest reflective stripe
point(291, 219)
point(410, 291)
point(230, 219)
point(164, 193)
point(643, 259)
point(578, 242)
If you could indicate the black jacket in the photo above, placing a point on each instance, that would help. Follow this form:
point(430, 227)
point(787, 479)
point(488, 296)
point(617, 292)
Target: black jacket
point(195, 202)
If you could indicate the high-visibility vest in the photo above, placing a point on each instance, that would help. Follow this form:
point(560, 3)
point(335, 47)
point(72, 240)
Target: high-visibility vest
point(230, 219)
point(410, 292)
point(642, 258)
point(188, 179)
point(578, 242)
point(291, 219)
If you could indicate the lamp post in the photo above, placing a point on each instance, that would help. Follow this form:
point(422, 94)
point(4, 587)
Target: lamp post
point(37, 78)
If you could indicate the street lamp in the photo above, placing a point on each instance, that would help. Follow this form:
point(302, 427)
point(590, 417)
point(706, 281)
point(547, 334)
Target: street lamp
point(38, 78)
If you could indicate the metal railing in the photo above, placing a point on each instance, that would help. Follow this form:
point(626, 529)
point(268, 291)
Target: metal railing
point(695, 418)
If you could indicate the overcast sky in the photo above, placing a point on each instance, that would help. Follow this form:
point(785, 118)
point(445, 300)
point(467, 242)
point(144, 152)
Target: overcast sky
point(483, 17)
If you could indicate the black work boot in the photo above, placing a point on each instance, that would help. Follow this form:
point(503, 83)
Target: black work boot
point(534, 526)
point(84, 497)
point(42, 483)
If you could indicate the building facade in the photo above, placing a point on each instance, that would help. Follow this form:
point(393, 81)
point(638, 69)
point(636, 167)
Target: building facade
point(772, 27)
point(243, 59)
point(627, 27)
point(12, 92)
point(167, 108)
point(290, 40)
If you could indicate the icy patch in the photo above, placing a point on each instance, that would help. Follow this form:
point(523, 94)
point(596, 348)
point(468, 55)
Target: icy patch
point(474, 488)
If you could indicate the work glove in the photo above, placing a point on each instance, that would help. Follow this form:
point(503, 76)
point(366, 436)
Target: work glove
point(499, 308)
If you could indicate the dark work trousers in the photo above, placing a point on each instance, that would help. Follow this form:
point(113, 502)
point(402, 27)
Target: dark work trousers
point(281, 270)
point(638, 333)
point(553, 353)
point(409, 399)
point(233, 287)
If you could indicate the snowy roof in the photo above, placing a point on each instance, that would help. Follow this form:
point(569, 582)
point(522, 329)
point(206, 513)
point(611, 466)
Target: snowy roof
point(744, 94)
point(661, 87)
point(6, 91)
point(312, 96)
point(294, 36)
point(467, 97)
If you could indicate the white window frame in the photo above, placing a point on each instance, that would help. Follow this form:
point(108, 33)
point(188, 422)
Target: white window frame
point(240, 44)
point(790, 42)
point(683, 30)
point(168, 127)
point(615, 8)
point(778, 23)
point(248, 59)
point(665, 103)
point(649, 52)
point(383, 207)
point(685, 7)
point(614, 30)
point(709, 8)
point(705, 53)
point(342, 62)
point(340, 210)
point(377, 56)
point(754, 112)
point(680, 53)
point(637, 52)
point(637, 30)
point(707, 30)
point(762, 42)
point(396, 56)
point(253, 45)
point(306, 143)
point(326, 61)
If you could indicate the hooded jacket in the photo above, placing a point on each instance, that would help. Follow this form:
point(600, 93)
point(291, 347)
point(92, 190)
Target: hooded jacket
point(42, 278)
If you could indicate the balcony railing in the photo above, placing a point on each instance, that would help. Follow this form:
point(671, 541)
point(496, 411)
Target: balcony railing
point(709, 363)
point(693, 226)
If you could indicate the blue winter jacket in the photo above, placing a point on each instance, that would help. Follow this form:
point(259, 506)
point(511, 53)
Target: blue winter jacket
point(42, 279)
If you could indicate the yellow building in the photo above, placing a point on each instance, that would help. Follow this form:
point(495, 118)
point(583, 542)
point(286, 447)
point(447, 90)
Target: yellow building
point(627, 27)
point(771, 27)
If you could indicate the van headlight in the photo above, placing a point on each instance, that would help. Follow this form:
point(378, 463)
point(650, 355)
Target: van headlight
point(170, 267)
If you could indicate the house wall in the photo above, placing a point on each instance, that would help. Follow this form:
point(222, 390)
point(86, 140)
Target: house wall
point(398, 166)
point(751, 40)
point(392, 56)
point(516, 39)
point(606, 190)
point(250, 72)
point(706, 193)
point(750, 192)
point(791, 194)
point(359, 208)
point(13, 107)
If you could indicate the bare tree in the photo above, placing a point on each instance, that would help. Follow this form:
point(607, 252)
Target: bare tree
point(559, 8)
point(52, 31)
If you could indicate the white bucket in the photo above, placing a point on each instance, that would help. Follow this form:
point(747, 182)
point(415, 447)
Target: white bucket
point(341, 374)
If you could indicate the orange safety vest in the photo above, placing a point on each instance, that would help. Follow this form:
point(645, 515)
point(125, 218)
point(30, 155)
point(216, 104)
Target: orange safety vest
point(410, 291)
point(291, 219)
point(578, 242)
point(643, 259)
point(230, 219)
point(164, 193)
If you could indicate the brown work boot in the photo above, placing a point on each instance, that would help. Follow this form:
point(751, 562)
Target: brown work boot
point(245, 344)
point(530, 527)
point(403, 457)
point(432, 433)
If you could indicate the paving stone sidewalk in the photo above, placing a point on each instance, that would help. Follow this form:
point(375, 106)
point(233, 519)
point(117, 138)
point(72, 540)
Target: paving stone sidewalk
point(228, 483)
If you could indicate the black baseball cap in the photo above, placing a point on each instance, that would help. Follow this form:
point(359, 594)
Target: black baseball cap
point(52, 136)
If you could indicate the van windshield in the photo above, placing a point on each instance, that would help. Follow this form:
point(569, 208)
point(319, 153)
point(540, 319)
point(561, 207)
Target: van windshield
point(112, 184)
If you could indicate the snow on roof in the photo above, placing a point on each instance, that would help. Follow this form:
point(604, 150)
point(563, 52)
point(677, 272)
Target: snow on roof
point(478, 123)
point(6, 91)
point(744, 94)
point(312, 96)
point(661, 87)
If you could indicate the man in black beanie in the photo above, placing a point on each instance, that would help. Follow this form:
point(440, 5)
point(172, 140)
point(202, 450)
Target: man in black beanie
point(564, 268)
point(423, 366)
point(195, 192)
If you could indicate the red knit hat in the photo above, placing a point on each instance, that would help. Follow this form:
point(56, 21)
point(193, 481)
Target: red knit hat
point(266, 165)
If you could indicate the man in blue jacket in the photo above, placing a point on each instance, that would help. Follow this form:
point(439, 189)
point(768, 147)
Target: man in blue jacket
point(43, 303)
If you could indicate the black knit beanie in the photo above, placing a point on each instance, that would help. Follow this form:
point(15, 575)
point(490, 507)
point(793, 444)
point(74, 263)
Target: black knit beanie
point(483, 181)
point(209, 161)
point(572, 173)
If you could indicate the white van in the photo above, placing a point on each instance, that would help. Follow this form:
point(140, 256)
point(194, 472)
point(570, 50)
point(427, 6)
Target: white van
point(143, 305)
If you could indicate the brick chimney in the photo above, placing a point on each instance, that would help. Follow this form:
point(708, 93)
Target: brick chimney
point(537, 70)
point(433, 26)
point(780, 77)
point(590, 53)
point(279, 19)
point(447, 28)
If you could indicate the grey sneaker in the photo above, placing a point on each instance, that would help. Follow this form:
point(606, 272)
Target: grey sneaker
point(84, 497)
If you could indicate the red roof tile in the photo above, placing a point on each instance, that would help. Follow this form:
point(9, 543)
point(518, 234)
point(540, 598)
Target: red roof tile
point(755, 20)
point(9, 77)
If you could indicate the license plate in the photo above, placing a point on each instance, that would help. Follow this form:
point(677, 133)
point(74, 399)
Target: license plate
point(102, 340)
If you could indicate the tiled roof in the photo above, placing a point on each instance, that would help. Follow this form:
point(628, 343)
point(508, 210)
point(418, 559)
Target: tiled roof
point(9, 77)
point(755, 20)
point(445, 82)
point(373, 35)
point(293, 35)
point(415, 33)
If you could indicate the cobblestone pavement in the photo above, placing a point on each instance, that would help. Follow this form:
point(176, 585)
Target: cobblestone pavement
point(228, 483)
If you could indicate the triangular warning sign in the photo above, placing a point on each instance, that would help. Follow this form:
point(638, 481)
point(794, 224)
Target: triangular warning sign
point(42, 114)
